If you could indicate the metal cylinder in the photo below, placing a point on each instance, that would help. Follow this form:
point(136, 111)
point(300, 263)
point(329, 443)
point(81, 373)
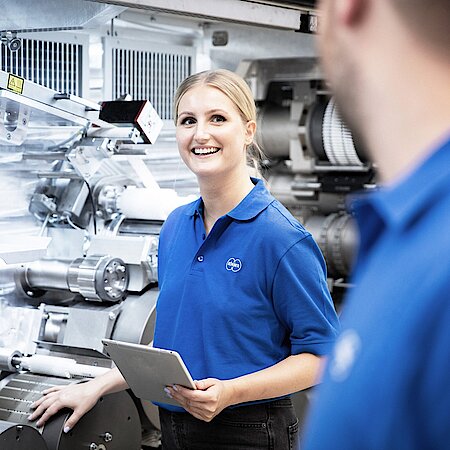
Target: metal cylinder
point(337, 237)
point(275, 130)
point(6, 359)
point(47, 274)
point(97, 277)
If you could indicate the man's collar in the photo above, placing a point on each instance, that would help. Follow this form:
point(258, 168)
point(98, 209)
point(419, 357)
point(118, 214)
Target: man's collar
point(401, 204)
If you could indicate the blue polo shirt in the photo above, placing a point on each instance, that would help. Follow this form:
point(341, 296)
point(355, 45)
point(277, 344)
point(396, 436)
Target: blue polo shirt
point(387, 382)
point(246, 296)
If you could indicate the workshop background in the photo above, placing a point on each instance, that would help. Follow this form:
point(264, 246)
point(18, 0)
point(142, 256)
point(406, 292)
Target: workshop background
point(87, 138)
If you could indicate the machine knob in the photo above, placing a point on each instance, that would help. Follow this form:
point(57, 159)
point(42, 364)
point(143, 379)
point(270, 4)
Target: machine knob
point(99, 278)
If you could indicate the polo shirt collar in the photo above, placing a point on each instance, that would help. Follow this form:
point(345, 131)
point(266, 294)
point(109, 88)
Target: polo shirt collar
point(194, 208)
point(399, 205)
point(256, 201)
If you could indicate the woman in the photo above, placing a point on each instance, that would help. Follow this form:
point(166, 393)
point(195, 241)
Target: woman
point(243, 294)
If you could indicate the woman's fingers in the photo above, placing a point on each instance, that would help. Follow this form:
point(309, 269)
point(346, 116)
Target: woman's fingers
point(52, 389)
point(78, 397)
point(46, 408)
point(203, 404)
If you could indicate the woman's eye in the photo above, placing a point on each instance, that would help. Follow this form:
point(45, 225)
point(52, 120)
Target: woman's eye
point(217, 118)
point(187, 121)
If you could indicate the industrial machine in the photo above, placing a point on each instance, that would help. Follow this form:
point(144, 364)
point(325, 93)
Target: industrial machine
point(90, 272)
point(86, 188)
point(313, 162)
point(96, 170)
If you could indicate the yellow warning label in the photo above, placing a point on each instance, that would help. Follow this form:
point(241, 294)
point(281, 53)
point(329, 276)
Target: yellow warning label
point(15, 84)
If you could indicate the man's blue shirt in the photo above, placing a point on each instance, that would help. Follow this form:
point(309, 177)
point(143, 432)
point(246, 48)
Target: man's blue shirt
point(387, 382)
point(245, 297)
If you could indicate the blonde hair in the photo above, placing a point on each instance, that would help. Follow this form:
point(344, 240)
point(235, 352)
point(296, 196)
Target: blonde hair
point(238, 91)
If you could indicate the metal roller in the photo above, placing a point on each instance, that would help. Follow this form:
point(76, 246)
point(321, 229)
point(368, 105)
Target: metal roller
point(97, 278)
point(337, 237)
point(275, 129)
point(112, 424)
point(7, 359)
point(326, 135)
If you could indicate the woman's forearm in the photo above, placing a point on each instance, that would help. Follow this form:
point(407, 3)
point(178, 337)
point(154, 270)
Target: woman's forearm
point(110, 382)
point(295, 373)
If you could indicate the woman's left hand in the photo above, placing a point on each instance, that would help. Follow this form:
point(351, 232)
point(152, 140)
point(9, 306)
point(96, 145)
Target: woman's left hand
point(205, 402)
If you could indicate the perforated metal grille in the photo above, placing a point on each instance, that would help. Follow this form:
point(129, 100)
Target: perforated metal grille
point(56, 65)
point(150, 74)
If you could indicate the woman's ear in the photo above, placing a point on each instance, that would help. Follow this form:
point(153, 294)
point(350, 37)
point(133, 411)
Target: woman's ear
point(250, 130)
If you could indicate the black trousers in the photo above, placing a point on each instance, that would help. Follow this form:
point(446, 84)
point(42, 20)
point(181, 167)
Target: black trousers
point(264, 426)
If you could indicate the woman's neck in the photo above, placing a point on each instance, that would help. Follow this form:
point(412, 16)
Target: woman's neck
point(221, 195)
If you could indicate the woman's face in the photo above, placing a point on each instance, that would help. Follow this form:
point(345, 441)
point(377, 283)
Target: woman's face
point(211, 134)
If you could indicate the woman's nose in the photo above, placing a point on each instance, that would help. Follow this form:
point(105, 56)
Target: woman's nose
point(201, 133)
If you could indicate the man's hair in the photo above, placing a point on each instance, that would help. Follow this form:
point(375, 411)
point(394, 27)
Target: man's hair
point(430, 19)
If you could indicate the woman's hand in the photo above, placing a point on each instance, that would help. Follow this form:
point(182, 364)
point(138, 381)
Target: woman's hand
point(78, 397)
point(208, 400)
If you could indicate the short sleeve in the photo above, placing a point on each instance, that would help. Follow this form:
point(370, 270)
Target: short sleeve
point(302, 300)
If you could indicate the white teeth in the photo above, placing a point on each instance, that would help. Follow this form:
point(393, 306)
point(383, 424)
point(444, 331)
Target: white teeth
point(205, 150)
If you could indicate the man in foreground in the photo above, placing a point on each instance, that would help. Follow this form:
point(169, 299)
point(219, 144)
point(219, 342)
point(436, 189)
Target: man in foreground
point(386, 382)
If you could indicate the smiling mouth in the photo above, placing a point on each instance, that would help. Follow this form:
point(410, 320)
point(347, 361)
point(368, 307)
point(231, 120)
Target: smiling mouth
point(205, 151)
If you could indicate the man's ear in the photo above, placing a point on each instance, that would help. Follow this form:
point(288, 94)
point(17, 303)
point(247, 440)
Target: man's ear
point(350, 12)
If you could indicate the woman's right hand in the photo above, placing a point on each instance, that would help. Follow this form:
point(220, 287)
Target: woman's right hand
point(79, 397)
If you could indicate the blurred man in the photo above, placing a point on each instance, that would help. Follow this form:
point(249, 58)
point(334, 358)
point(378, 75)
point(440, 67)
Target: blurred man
point(386, 385)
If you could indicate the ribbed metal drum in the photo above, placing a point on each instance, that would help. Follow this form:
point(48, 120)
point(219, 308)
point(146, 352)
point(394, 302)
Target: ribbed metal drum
point(113, 423)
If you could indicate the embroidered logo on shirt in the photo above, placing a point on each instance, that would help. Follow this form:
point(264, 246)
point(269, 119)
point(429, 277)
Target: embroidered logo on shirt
point(344, 355)
point(234, 265)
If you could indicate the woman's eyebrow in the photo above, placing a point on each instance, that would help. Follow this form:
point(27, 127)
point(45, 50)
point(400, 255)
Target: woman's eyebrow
point(215, 110)
point(210, 111)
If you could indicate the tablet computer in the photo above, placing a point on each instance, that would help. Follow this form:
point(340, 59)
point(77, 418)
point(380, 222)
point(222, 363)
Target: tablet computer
point(148, 370)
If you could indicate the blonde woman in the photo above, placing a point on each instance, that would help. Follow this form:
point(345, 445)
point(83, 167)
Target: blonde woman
point(243, 293)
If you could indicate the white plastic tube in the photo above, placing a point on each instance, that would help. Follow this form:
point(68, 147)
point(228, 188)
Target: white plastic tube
point(59, 367)
point(150, 204)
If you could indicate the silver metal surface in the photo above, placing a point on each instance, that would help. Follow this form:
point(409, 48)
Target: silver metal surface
point(54, 14)
point(236, 11)
point(98, 278)
point(47, 274)
point(45, 106)
point(13, 128)
point(260, 72)
point(6, 359)
point(337, 238)
point(139, 253)
point(19, 326)
point(275, 129)
point(88, 324)
point(136, 320)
